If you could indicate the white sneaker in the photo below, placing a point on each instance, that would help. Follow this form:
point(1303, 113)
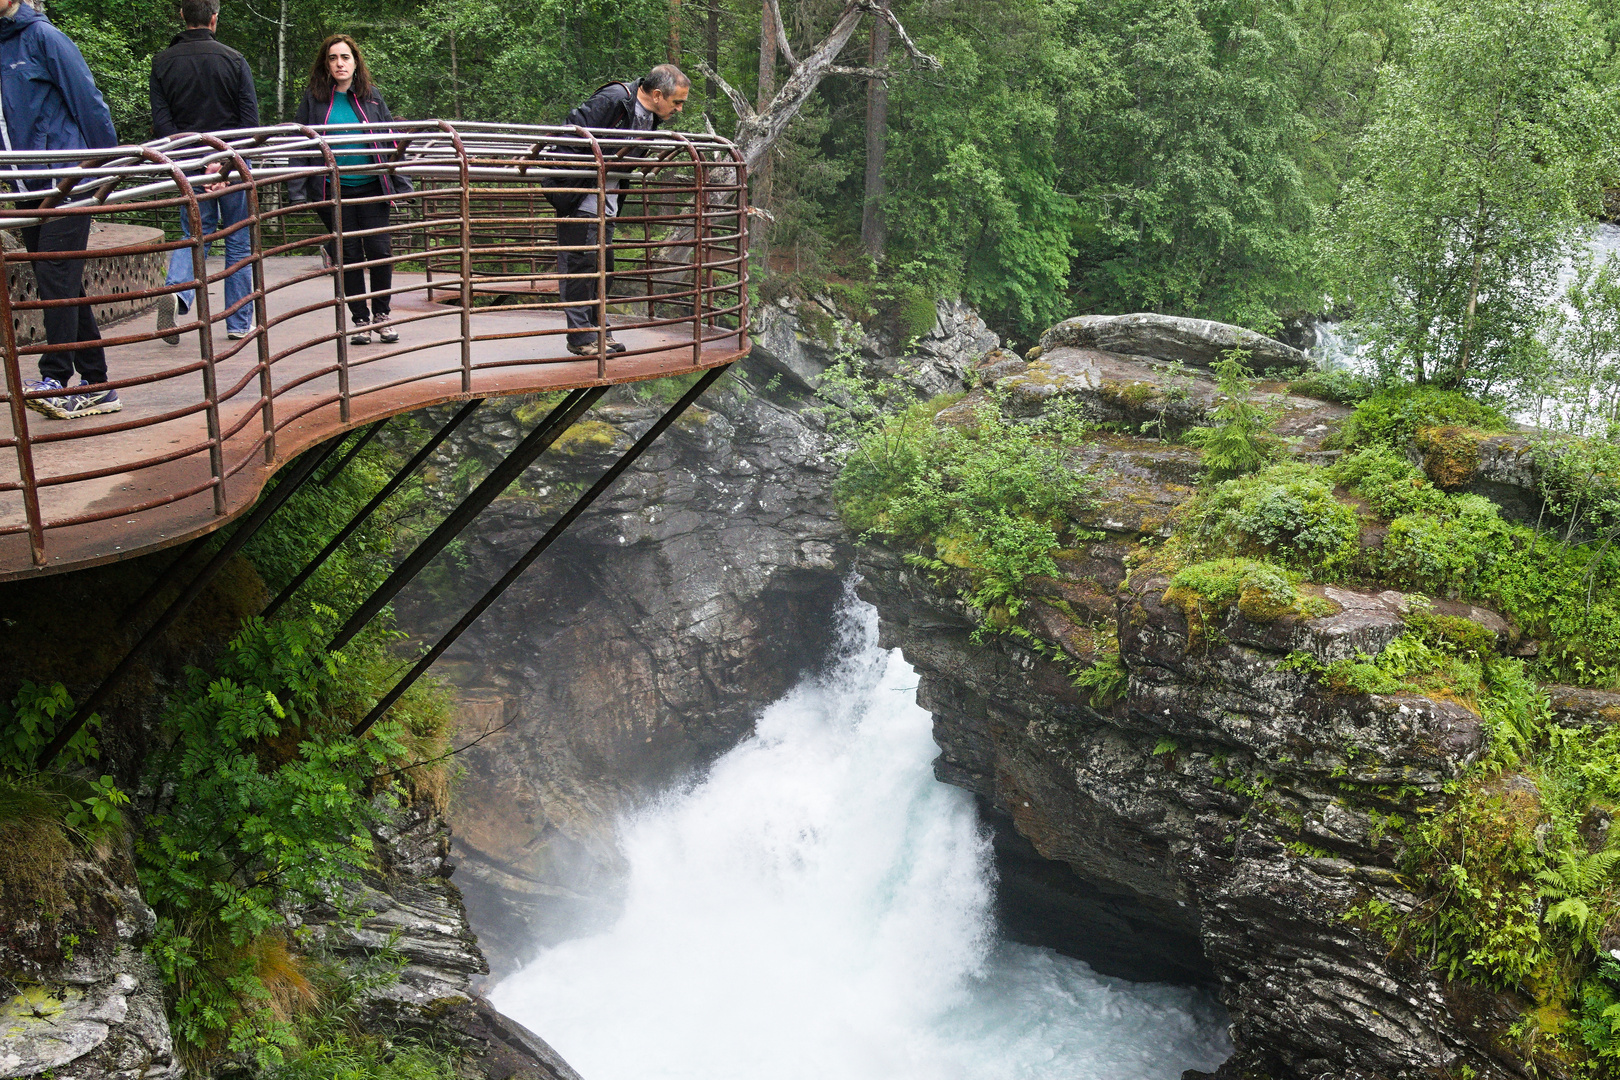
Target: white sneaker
point(238, 335)
point(385, 333)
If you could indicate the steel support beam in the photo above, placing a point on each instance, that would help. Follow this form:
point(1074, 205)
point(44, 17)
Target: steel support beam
point(177, 567)
point(570, 409)
point(348, 456)
point(580, 506)
point(377, 500)
point(295, 479)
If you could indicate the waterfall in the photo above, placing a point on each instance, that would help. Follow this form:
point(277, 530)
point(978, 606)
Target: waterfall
point(818, 906)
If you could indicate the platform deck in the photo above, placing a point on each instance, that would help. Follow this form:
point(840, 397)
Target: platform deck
point(305, 415)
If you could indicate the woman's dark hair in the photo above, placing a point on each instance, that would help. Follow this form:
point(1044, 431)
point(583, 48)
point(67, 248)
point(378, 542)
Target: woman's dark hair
point(320, 77)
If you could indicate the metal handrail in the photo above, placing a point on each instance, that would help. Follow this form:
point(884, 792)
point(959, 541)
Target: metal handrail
point(477, 227)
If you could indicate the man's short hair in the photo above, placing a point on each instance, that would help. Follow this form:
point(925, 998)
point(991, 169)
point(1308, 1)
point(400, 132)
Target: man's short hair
point(665, 78)
point(198, 12)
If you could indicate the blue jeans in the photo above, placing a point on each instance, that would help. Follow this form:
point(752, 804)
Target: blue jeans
point(218, 213)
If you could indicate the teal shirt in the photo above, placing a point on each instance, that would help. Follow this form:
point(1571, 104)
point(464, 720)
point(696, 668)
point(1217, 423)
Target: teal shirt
point(343, 113)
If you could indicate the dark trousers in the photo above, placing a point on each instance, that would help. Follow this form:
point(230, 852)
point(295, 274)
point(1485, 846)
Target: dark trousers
point(363, 249)
point(63, 279)
point(573, 232)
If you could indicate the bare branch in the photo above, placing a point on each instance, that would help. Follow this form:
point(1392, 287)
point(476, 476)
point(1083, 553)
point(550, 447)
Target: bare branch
point(433, 760)
point(883, 12)
point(782, 47)
point(861, 72)
point(745, 111)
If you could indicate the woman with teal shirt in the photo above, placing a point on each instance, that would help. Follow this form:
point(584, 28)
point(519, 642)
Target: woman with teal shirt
point(341, 92)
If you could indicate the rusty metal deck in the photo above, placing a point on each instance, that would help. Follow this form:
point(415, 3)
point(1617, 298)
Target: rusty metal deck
point(535, 364)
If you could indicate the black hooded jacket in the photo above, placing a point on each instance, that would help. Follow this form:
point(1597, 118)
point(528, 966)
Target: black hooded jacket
point(612, 106)
point(198, 84)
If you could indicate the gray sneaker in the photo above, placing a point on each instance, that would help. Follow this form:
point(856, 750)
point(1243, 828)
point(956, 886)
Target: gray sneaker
point(90, 403)
point(385, 333)
point(53, 407)
point(165, 318)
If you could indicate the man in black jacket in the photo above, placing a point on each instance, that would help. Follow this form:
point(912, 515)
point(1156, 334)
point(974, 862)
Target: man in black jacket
point(637, 106)
point(201, 85)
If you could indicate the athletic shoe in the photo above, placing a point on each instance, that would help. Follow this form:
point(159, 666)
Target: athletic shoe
point(238, 335)
point(362, 332)
point(166, 318)
point(91, 403)
point(53, 407)
point(385, 333)
point(589, 348)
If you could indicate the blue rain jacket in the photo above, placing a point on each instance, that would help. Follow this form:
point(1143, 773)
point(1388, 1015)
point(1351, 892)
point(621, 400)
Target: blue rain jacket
point(49, 97)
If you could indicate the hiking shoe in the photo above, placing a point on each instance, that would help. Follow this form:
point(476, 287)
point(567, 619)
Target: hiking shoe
point(362, 332)
point(385, 333)
point(53, 407)
point(165, 318)
point(582, 348)
point(90, 403)
point(614, 345)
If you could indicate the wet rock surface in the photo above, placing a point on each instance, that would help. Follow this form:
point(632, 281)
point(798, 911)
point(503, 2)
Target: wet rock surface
point(1218, 823)
point(642, 645)
point(79, 1000)
point(1171, 338)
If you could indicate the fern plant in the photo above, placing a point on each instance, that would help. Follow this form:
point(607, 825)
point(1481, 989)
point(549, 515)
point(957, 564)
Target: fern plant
point(1572, 883)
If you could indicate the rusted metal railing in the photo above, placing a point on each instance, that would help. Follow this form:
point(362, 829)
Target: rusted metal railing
point(475, 297)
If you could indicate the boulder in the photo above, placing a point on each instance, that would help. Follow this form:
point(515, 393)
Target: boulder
point(1198, 342)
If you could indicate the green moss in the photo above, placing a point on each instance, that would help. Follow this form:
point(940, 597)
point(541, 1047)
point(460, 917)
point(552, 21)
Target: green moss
point(1450, 454)
point(1204, 592)
point(1287, 513)
point(587, 436)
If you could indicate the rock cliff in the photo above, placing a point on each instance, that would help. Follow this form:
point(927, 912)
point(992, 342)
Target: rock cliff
point(1222, 821)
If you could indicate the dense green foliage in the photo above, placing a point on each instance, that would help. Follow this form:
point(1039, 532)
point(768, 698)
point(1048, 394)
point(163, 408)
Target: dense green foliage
point(982, 493)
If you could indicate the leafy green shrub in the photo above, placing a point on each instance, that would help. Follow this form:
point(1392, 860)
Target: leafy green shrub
point(1392, 417)
point(993, 497)
point(1287, 513)
point(1449, 553)
point(1238, 439)
point(1382, 475)
point(1341, 385)
point(262, 799)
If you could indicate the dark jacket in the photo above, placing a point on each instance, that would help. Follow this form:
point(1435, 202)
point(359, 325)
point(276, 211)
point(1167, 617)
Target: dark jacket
point(312, 111)
point(198, 84)
point(612, 106)
point(51, 100)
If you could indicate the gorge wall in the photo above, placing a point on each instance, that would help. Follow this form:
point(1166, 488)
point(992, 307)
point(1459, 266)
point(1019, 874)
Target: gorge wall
point(642, 646)
point(1221, 820)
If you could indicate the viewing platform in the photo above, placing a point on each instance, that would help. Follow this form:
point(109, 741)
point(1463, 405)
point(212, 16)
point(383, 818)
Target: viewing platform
point(475, 299)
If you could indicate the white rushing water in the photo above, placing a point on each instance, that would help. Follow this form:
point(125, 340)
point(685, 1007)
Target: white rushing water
point(819, 907)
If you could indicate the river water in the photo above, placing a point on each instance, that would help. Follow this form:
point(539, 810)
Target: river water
point(820, 907)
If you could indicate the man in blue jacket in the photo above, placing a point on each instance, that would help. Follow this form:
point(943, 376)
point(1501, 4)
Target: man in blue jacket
point(49, 101)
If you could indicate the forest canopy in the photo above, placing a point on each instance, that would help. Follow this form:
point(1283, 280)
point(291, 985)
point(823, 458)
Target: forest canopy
point(1243, 160)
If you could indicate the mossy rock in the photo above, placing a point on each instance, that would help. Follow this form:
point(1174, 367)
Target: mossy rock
point(1450, 454)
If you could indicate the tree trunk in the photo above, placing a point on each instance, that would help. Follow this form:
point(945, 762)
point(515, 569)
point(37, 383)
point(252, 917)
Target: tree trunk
point(281, 63)
point(1473, 294)
point(767, 90)
point(712, 54)
point(873, 231)
point(673, 53)
point(455, 77)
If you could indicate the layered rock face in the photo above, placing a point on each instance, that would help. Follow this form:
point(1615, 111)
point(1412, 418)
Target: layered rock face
point(1220, 822)
point(699, 589)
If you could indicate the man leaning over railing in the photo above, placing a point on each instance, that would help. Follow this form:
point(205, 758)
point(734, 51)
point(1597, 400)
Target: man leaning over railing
point(50, 102)
point(636, 106)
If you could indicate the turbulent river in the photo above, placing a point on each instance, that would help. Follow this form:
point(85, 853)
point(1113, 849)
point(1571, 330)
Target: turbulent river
point(819, 906)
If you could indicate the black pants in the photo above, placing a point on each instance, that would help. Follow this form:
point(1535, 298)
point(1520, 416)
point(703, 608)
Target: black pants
point(573, 232)
point(363, 249)
point(63, 279)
